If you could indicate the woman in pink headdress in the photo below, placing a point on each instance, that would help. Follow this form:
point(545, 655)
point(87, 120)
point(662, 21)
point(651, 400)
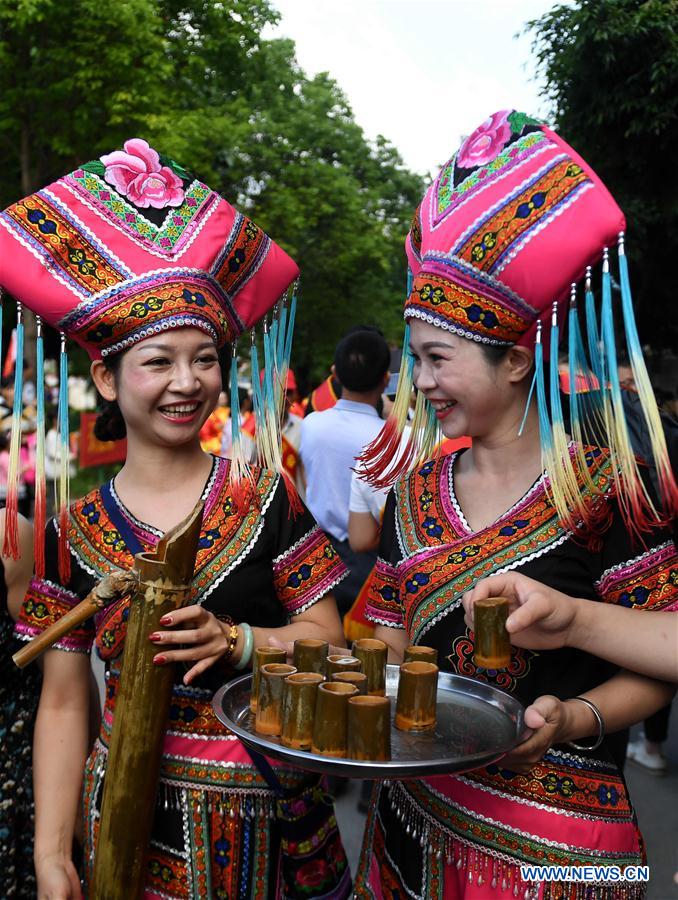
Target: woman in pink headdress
point(511, 222)
point(153, 272)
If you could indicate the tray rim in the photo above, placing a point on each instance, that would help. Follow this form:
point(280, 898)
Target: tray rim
point(391, 769)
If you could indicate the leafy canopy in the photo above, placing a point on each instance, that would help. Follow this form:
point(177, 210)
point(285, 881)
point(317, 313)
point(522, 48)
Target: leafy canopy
point(203, 85)
point(611, 74)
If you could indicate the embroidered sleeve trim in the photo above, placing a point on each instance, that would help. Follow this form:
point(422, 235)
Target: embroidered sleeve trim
point(293, 549)
point(648, 581)
point(44, 604)
point(319, 594)
point(307, 571)
point(383, 604)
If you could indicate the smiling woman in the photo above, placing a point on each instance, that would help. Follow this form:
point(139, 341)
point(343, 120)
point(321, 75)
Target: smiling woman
point(470, 393)
point(183, 367)
point(221, 827)
point(513, 219)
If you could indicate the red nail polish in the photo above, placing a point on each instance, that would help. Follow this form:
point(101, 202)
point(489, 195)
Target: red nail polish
point(166, 620)
point(159, 660)
point(155, 637)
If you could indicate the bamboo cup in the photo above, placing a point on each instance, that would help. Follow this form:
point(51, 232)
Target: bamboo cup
point(492, 644)
point(298, 709)
point(358, 679)
point(341, 662)
point(310, 655)
point(369, 728)
point(330, 728)
point(417, 692)
point(269, 702)
point(262, 656)
point(372, 653)
point(415, 653)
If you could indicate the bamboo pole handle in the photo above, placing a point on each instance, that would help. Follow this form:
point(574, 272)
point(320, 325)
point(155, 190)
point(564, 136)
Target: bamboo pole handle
point(140, 719)
point(111, 587)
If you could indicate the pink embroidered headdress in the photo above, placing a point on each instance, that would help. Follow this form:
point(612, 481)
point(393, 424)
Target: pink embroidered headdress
point(512, 224)
point(131, 245)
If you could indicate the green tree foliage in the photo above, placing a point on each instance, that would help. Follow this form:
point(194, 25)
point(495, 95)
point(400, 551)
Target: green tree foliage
point(75, 78)
point(201, 83)
point(611, 71)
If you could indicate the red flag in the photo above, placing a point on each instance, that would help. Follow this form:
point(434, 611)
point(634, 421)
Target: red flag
point(92, 451)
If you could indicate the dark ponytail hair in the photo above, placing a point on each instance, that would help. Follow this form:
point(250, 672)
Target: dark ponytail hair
point(110, 425)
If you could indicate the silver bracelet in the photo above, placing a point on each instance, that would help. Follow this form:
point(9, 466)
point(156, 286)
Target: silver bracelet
point(601, 726)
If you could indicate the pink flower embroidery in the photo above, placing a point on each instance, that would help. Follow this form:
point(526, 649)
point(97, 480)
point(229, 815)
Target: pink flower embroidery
point(136, 173)
point(486, 142)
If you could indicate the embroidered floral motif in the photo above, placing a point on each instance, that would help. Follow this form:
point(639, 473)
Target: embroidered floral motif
point(169, 239)
point(242, 255)
point(225, 539)
point(442, 562)
point(485, 143)
point(453, 188)
point(462, 661)
point(135, 172)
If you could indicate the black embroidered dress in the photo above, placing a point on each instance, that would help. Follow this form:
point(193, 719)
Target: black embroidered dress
point(216, 833)
point(467, 836)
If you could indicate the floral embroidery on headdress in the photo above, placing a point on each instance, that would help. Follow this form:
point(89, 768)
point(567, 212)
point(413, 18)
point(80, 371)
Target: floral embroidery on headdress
point(136, 173)
point(486, 142)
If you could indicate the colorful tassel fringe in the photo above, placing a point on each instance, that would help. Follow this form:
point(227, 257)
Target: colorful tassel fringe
point(636, 505)
point(240, 474)
point(597, 417)
point(64, 466)
point(269, 392)
point(40, 513)
point(665, 477)
point(386, 459)
point(11, 547)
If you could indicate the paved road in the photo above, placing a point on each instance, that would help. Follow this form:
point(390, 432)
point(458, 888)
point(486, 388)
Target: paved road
point(656, 801)
point(655, 798)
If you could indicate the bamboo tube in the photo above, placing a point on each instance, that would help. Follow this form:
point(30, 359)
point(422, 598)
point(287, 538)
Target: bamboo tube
point(492, 643)
point(112, 587)
point(140, 719)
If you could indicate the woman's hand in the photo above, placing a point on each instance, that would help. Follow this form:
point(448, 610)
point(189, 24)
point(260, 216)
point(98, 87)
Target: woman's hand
point(57, 879)
point(547, 717)
point(540, 617)
point(204, 639)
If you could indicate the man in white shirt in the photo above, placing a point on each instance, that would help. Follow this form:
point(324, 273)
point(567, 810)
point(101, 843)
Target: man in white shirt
point(331, 440)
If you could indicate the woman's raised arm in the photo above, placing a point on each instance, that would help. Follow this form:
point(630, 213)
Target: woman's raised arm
point(542, 619)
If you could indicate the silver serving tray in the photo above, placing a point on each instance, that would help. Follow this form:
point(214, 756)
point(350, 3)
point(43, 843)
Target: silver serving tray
point(477, 725)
